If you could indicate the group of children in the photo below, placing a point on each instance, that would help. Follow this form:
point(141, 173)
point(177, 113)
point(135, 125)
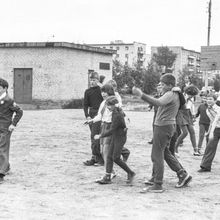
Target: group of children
point(172, 109)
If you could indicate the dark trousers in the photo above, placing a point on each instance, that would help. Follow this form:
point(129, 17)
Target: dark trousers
point(95, 144)
point(210, 150)
point(114, 154)
point(202, 129)
point(173, 140)
point(161, 152)
point(4, 151)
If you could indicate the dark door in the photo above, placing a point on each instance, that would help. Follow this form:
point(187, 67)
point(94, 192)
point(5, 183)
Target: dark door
point(23, 85)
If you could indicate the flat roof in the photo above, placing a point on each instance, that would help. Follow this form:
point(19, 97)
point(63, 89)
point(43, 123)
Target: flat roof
point(67, 45)
point(115, 44)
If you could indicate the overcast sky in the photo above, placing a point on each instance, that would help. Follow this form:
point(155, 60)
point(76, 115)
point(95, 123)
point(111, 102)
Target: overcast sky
point(153, 22)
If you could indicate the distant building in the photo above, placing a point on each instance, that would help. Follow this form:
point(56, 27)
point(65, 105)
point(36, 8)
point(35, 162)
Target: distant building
point(126, 53)
point(210, 59)
point(188, 59)
point(55, 71)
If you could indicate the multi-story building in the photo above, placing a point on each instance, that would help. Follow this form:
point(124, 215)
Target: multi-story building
point(127, 53)
point(186, 59)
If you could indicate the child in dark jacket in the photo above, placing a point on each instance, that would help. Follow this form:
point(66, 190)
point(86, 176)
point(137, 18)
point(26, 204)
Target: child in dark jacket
point(204, 120)
point(8, 122)
point(118, 131)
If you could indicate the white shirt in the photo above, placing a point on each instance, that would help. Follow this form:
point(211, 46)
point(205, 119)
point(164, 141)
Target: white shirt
point(106, 116)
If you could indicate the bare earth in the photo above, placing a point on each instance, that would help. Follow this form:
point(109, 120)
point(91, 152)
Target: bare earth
point(49, 181)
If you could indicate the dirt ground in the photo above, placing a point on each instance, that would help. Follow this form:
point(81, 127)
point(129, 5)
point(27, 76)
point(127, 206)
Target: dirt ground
point(49, 181)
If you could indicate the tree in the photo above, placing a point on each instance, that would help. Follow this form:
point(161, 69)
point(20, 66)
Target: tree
point(151, 79)
point(164, 58)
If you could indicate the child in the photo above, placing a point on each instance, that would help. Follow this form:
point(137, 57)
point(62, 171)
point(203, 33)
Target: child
point(214, 136)
point(92, 101)
point(118, 132)
point(125, 152)
point(185, 120)
point(7, 124)
point(164, 127)
point(204, 120)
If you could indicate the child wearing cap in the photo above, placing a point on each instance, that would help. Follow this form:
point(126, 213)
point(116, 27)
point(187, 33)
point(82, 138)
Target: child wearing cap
point(164, 127)
point(10, 114)
point(118, 132)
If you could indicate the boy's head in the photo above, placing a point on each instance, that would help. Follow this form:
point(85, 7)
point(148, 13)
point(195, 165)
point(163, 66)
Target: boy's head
point(167, 81)
point(107, 90)
point(111, 102)
point(94, 79)
point(113, 83)
point(3, 86)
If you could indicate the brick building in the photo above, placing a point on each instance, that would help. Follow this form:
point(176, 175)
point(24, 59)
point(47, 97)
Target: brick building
point(55, 71)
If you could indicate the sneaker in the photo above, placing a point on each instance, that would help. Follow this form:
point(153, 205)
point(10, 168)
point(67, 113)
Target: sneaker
point(105, 180)
point(98, 164)
point(149, 182)
point(150, 142)
point(156, 188)
point(200, 153)
point(196, 153)
point(89, 162)
point(203, 170)
point(113, 175)
point(130, 177)
point(184, 180)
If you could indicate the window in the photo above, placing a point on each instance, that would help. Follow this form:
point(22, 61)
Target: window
point(126, 55)
point(126, 47)
point(104, 66)
point(117, 48)
point(111, 47)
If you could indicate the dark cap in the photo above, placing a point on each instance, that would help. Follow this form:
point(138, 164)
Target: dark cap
point(111, 100)
point(94, 75)
point(3, 83)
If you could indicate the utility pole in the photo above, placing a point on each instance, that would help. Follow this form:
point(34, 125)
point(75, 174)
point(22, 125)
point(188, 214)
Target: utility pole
point(209, 22)
point(208, 39)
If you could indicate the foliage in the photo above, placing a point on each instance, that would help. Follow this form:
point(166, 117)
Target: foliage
point(151, 79)
point(164, 57)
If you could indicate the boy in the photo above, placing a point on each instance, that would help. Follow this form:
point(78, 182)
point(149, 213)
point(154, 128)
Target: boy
point(125, 152)
point(164, 127)
point(214, 136)
point(7, 124)
point(204, 120)
point(92, 101)
point(118, 132)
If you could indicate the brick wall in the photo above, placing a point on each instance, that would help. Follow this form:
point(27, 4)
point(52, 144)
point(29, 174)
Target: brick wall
point(58, 73)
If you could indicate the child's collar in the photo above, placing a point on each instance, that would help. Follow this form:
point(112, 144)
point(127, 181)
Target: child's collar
point(3, 95)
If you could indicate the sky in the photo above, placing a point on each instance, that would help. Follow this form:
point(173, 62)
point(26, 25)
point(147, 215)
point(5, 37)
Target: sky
point(153, 22)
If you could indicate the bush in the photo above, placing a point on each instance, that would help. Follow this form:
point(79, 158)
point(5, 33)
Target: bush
point(73, 104)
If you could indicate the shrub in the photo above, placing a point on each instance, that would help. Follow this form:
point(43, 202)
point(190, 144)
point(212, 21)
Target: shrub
point(73, 104)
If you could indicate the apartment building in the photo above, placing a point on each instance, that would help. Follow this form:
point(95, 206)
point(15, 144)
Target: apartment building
point(188, 59)
point(127, 53)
